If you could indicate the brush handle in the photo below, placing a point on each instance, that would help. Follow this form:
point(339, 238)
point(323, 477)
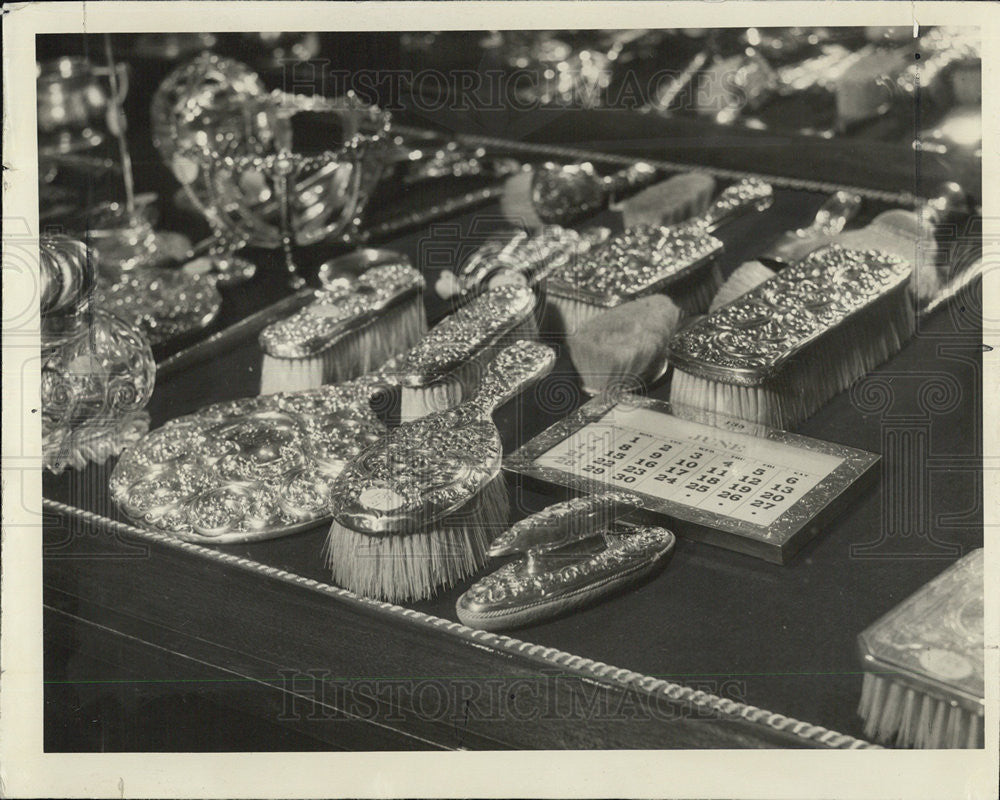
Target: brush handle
point(832, 216)
point(629, 180)
point(830, 220)
point(562, 193)
point(515, 368)
point(750, 194)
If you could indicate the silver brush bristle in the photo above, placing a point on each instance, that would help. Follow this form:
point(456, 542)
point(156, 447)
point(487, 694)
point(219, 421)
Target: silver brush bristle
point(414, 566)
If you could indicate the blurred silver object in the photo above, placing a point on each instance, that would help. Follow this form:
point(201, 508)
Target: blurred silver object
point(170, 45)
point(739, 84)
point(279, 48)
point(193, 107)
point(162, 303)
point(724, 88)
point(518, 258)
point(817, 71)
point(561, 193)
point(351, 266)
point(73, 103)
point(559, 73)
point(942, 50)
point(451, 160)
point(960, 130)
point(123, 241)
point(97, 370)
point(74, 113)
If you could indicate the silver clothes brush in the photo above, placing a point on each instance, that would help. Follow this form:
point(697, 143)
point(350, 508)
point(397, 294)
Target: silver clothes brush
point(415, 512)
point(526, 258)
point(830, 220)
point(677, 260)
point(351, 326)
point(575, 553)
point(779, 352)
point(924, 683)
point(910, 235)
point(446, 366)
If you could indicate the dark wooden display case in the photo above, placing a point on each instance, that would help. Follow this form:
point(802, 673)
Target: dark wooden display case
point(153, 644)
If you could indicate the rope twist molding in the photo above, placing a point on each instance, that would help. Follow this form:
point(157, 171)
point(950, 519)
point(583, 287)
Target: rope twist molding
point(576, 154)
point(615, 676)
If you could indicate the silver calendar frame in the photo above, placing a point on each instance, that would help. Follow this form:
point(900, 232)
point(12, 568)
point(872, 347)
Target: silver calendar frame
point(776, 542)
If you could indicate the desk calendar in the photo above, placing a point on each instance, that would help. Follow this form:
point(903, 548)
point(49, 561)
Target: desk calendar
point(726, 481)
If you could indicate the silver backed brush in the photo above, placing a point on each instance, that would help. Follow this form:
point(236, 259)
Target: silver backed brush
point(447, 365)
point(911, 235)
point(574, 554)
point(830, 219)
point(351, 326)
point(924, 683)
point(782, 350)
point(416, 510)
point(676, 260)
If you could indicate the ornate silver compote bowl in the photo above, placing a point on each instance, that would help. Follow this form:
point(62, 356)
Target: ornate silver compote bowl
point(243, 164)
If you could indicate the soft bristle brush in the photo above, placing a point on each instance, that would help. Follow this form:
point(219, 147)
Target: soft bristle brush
point(447, 365)
point(668, 202)
point(924, 664)
point(416, 512)
point(676, 260)
point(830, 220)
point(350, 327)
point(625, 346)
point(779, 352)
